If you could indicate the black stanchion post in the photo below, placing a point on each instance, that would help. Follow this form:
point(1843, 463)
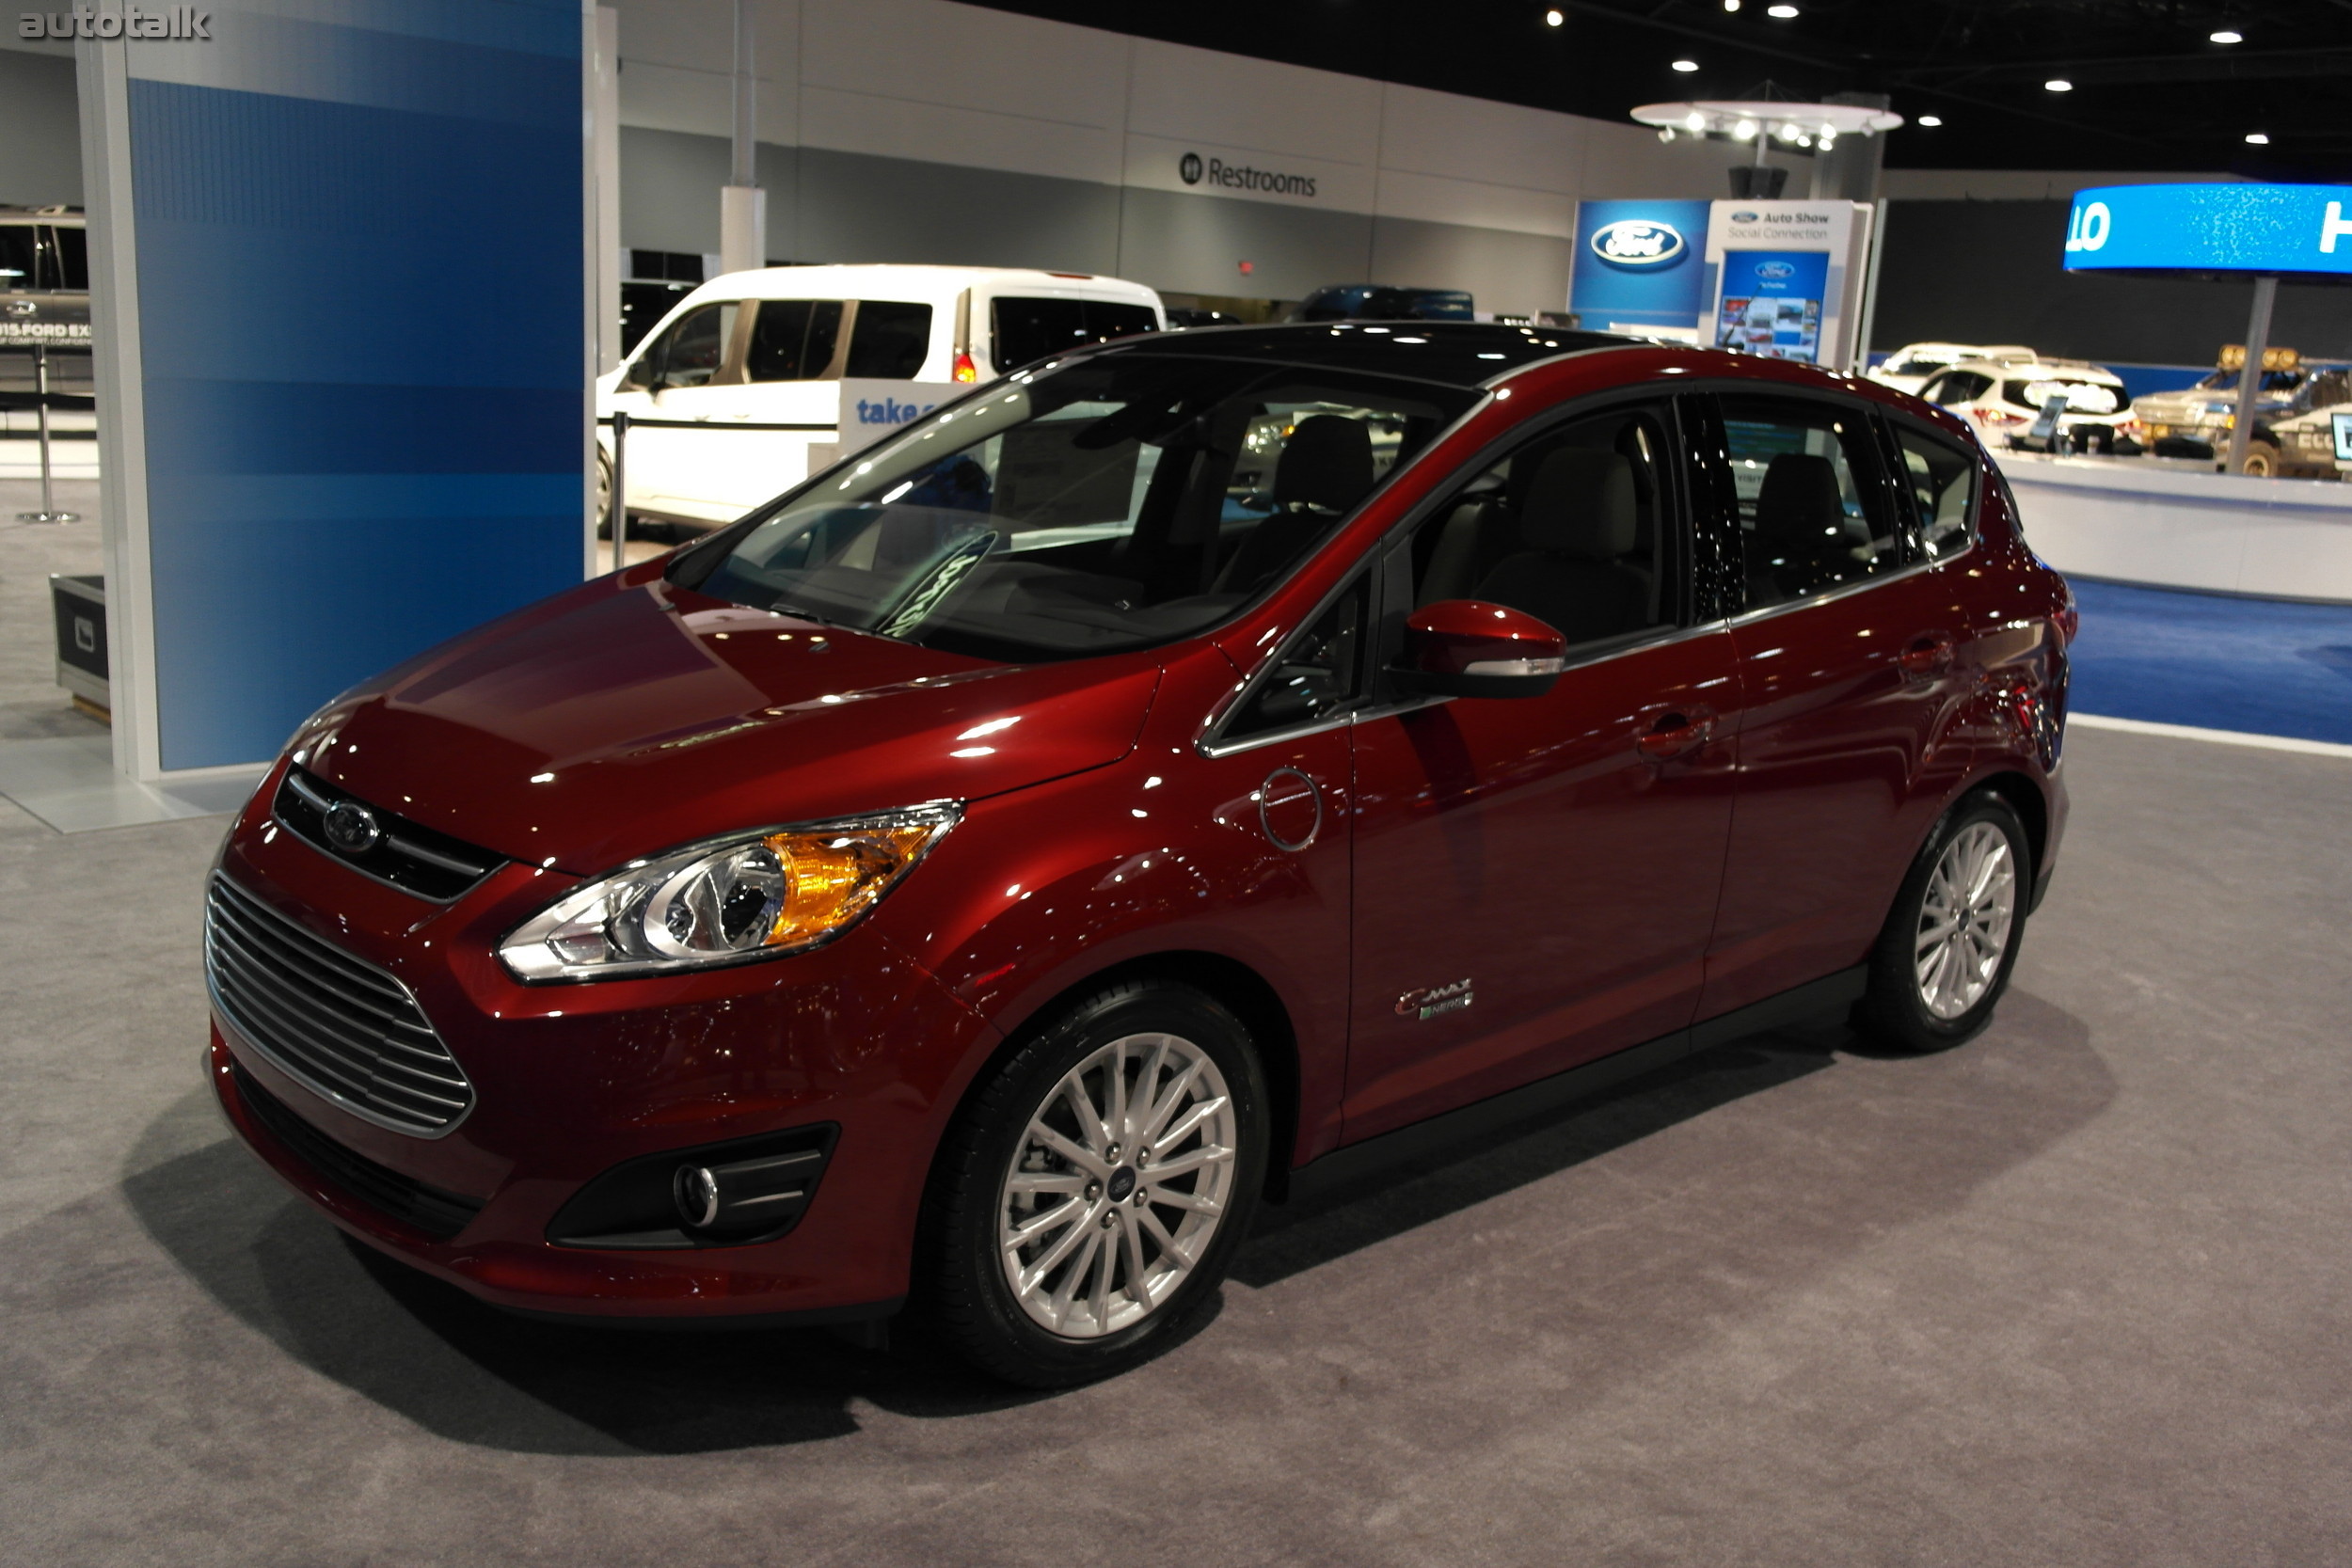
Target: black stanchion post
point(48, 513)
point(620, 490)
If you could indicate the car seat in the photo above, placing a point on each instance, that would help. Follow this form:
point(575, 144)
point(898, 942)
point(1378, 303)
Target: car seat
point(1575, 524)
point(1325, 470)
point(1800, 518)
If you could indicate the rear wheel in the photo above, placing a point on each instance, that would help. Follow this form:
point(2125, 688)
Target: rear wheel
point(2261, 460)
point(1090, 1196)
point(1946, 954)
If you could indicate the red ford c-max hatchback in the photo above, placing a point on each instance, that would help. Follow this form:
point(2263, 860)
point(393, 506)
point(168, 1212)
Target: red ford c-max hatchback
point(1182, 772)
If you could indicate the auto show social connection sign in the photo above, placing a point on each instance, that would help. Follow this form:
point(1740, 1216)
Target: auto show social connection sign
point(2291, 230)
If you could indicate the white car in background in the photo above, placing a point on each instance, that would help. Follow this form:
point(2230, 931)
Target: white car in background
point(1909, 366)
point(2003, 399)
point(743, 390)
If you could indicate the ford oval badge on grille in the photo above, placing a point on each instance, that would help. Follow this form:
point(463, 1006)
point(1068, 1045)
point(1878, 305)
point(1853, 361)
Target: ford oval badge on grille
point(352, 828)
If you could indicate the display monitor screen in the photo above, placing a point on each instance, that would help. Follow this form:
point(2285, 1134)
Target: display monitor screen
point(2342, 423)
point(1771, 303)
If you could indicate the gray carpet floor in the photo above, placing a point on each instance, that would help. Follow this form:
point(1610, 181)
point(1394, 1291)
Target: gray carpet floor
point(2074, 1295)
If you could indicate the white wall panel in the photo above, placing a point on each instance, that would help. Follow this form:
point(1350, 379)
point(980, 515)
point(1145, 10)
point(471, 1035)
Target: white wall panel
point(1434, 198)
point(946, 133)
point(1156, 163)
point(1446, 136)
point(966, 57)
point(1259, 106)
point(678, 66)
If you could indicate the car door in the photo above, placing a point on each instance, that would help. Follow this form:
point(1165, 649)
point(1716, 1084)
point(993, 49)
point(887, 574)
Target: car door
point(1535, 878)
point(1850, 647)
point(684, 378)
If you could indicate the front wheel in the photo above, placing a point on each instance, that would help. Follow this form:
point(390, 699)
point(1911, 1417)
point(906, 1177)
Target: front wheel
point(1091, 1195)
point(1949, 945)
point(2261, 460)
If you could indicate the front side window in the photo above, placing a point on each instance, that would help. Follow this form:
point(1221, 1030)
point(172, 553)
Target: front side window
point(1811, 516)
point(691, 353)
point(891, 340)
point(1023, 329)
point(1941, 479)
point(1321, 673)
point(1089, 508)
point(20, 256)
point(1577, 528)
point(793, 340)
point(71, 256)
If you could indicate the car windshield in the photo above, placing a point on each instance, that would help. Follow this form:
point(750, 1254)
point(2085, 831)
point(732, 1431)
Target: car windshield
point(2083, 397)
point(1108, 503)
point(2273, 381)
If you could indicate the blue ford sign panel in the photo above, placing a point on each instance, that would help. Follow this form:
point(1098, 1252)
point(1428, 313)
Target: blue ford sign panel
point(1637, 264)
point(2293, 230)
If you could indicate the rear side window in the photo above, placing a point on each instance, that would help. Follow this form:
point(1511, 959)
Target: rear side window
point(19, 256)
point(2082, 397)
point(1811, 516)
point(1941, 481)
point(1959, 387)
point(73, 256)
point(891, 340)
point(1021, 329)
point(793, 340)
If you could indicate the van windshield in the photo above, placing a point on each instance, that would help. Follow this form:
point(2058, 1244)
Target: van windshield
point(1111, 504)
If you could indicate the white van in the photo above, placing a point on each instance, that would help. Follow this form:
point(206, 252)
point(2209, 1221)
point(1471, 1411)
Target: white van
point(738, 394)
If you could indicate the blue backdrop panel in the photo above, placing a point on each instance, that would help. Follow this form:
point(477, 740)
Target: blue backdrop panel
point(2216, 661)
point(361, 334)
point(1638, 263)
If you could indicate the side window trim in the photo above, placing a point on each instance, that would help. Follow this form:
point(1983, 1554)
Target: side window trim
point(1212, 742)
point(1895, 424)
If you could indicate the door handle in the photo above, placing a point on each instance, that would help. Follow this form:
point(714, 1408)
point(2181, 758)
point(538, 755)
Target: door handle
point(1929, 653)
point(1675, 732)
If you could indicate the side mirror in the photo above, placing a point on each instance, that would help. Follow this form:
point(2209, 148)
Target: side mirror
point(1470, 648)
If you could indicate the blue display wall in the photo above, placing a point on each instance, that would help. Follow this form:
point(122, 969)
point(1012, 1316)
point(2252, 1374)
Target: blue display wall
point(361, 346)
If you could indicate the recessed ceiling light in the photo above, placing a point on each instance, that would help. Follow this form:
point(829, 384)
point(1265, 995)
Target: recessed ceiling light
point(1686, 65)
point(1742, 131)
point(1783, 13)
point(2057, 84)
point(1553, 19)
point(1930, 121)
point(2256, 138)
point(1731, 4)
point(2226, 35)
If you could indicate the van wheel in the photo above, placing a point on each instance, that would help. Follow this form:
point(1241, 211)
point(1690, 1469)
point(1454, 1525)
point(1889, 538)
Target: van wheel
point(1946, 954)
point(2261, 460)
point(1089, 1196)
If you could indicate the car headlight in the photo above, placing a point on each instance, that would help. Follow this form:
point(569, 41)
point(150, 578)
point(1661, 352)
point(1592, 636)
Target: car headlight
point(759, 896)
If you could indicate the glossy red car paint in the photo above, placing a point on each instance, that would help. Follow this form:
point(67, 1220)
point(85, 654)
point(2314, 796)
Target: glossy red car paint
point(1739, 831)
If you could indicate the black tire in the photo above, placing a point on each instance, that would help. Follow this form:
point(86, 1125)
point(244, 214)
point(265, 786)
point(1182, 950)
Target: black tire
point(2262, 459)
point(1895, 1011)
point(961, 1273)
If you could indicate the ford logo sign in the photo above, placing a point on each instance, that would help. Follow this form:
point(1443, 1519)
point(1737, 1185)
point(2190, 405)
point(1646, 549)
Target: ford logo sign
point(352, 829)
point(1745, 217)
point(1637, 242)
point(1774, 269)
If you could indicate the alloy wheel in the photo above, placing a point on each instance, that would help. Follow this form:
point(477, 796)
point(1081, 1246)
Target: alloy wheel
point(1965, 919)
point(1118, 1186)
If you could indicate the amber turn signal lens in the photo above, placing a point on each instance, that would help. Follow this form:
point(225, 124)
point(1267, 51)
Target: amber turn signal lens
point(832, 877)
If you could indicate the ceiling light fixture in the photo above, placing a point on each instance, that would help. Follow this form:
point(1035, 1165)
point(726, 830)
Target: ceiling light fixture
point(1743, 120)
point(1553, 19)
point(2226, 35)
point(1743, 129)
point(1930, 121)
point(2257, 138)
point(1783, 12)
point(1686, 65)
point(1731, 4)
point(2057, 84)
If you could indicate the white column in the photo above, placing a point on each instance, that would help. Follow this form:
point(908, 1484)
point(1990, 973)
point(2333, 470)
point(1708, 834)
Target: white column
point(742, 205)
point(104, 82)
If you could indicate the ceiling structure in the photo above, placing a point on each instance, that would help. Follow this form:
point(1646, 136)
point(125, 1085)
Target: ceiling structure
point(2148, 88)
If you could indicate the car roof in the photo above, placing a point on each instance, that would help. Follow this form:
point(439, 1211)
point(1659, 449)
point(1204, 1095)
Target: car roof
point(887, 280)
point(1454, 354)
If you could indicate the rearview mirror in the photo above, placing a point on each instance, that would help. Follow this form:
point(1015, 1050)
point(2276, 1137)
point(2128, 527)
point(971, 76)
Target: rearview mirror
point(1470, 648)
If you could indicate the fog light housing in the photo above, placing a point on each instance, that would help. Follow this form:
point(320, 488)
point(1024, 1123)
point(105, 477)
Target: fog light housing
point(731, 1194)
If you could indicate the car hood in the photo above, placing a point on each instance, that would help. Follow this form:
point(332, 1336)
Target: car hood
point(630, 715)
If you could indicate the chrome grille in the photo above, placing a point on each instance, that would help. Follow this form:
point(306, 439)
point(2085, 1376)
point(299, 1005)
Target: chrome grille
point(341, 1027)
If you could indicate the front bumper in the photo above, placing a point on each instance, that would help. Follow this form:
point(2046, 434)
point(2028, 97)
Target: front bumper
point(572, 1080)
